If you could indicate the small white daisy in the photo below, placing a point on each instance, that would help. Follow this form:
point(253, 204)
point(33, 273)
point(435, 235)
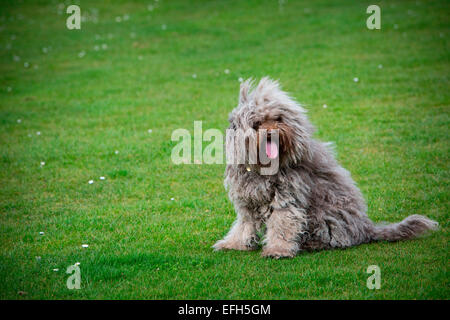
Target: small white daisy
point(41, 233)
point(149, 130)
point(96, 48)
point(81, 54)
point(126, 17)
point(380, 66)
point(116, 152)
point(77, 263)
point(56, 269)
point(355, 79)
point(102, 178)
point(85, 245)
point(104, 46)
point(325, 106)
point(226, 71)
point(38, 133)
point(42, 163)
point(19, 120)
point(91, 181)
point(194, 76)
point(118, 19)
point(171, 199)
point(164, 27)
point(240, 79)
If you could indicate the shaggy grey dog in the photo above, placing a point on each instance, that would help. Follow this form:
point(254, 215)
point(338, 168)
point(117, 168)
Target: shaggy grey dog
point(311, 202)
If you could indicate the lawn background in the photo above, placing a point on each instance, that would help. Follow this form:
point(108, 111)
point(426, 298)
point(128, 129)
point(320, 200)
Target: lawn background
point(391, 131)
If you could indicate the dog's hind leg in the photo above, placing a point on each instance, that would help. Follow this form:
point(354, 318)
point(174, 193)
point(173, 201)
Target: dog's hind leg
point(242, 235)
point(285, 228)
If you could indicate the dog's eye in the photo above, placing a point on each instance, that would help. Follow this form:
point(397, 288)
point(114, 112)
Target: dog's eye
point(278, 119)
point(256, 125)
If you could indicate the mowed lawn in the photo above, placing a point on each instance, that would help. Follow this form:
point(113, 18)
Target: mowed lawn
point(72, 98)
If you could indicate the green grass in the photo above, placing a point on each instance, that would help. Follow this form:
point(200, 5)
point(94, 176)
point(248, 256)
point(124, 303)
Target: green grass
point(391, 130)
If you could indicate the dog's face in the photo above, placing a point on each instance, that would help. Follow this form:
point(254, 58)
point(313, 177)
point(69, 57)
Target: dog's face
point(281, 128)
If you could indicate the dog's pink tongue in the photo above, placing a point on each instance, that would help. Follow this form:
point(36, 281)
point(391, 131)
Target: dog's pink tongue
point(271, 150)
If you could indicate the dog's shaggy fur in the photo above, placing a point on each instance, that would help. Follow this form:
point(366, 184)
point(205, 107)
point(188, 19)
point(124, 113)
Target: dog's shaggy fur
point(312, 202)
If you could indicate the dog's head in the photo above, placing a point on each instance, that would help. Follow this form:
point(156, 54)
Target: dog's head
point(280, 124)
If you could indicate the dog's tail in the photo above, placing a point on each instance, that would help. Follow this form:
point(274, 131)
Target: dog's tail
point(411, 227)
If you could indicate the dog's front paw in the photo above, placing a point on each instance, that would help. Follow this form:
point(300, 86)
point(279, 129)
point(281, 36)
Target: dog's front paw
point(231, 245)
point(278, 252)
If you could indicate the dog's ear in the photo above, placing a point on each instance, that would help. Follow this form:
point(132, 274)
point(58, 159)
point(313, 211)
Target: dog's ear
point(246, 86)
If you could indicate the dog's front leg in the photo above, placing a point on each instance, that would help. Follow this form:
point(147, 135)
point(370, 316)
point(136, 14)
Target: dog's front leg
point(242, 235)
point(285, 228)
